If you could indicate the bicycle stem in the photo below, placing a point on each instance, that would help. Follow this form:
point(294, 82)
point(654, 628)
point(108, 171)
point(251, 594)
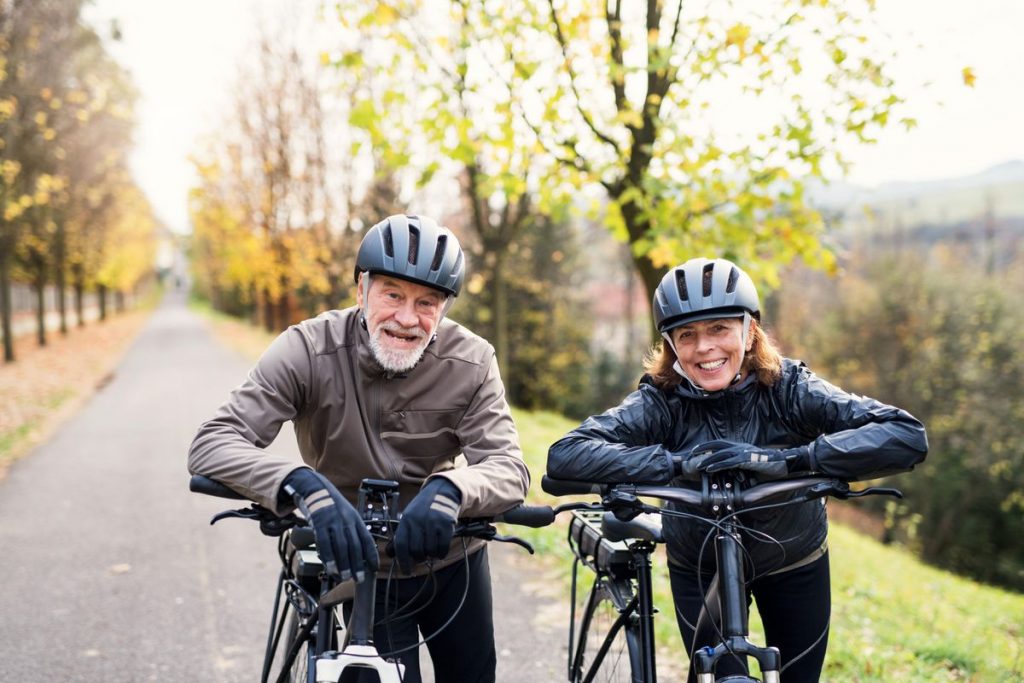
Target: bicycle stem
point(361, 624)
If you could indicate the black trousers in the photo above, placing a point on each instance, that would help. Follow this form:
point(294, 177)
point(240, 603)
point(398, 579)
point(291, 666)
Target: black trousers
point(794, 606)
point(409, 610)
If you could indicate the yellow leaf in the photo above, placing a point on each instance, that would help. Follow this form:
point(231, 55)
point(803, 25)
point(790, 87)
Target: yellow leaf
point(969, 76)
point(737, 35)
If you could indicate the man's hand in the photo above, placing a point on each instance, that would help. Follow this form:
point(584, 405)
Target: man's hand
point(765, 463)
point(427, 523)
point(342, 540)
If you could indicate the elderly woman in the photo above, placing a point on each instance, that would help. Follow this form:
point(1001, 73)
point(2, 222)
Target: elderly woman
point(719, 396)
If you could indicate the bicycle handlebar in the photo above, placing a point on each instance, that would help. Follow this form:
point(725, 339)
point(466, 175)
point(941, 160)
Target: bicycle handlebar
point(716, 492)
point(200, 484)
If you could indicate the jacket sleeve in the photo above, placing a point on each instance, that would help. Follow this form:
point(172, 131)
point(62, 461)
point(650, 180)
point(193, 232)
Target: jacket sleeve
point(623, 444)
point(496, 478)
point(859, 438)
point(229, 446)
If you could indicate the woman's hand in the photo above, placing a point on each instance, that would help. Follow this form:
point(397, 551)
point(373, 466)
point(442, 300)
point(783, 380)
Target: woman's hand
point(766, 463)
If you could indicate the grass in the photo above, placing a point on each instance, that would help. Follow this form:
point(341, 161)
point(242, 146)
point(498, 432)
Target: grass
point(893, 617)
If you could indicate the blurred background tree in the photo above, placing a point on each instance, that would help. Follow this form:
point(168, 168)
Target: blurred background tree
point(931, 322)
point(65, 129)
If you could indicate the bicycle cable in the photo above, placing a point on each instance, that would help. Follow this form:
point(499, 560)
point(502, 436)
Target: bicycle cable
point(753, 533)
point(442, 627)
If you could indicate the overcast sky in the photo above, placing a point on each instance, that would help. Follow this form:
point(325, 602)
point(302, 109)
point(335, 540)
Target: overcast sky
point(184, 54)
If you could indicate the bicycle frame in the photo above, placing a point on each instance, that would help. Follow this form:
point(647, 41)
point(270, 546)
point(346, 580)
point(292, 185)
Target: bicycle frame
point(617, 564)
point(378, 501)
point(723, 500)
point(734, 629)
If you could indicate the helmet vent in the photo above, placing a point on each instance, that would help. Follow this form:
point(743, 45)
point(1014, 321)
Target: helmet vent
point(414, 244)
point(442, 243)
point(681, 284)
point(734, 277)
point(706, 279)
point(389, 242)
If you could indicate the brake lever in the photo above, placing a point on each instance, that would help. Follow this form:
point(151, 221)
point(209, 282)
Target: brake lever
point(623, 503)
point(512, 539)
point(245, 513)
point(876, 491)
point(270, 524)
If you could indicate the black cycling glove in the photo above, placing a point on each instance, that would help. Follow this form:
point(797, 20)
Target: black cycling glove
point(345, 545)
point(427, 523)
point(765, 463)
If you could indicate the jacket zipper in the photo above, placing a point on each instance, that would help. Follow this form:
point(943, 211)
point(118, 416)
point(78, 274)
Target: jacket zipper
point(376, 418)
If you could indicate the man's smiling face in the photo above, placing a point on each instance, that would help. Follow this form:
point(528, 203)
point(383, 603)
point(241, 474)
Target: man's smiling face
point(401, 318)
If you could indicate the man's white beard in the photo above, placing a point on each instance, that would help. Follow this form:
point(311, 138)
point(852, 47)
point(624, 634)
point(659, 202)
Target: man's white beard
point(396, 360)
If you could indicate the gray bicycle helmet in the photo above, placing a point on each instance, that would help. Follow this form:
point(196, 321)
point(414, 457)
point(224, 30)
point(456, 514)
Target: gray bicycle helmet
point(701, 289)
point(414, 248)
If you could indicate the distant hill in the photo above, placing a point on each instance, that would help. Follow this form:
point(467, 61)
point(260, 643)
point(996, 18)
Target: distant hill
point(996, 193)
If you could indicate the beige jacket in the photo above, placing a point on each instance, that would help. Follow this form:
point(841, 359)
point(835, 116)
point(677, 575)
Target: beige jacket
point(353, 420)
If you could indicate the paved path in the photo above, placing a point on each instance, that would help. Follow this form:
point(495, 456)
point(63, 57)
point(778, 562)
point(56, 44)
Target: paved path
point(111, 572)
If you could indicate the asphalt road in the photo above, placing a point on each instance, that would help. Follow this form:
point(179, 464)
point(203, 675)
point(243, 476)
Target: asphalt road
point(110, 570)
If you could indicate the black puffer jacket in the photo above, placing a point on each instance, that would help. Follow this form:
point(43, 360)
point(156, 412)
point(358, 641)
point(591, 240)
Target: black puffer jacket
point(850, 437)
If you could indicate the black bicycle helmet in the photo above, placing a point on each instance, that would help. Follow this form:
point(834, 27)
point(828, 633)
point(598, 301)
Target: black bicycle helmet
point(414, 248)
point(701, 289)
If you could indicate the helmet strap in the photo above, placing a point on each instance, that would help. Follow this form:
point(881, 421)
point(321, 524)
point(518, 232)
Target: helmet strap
point(743, 346)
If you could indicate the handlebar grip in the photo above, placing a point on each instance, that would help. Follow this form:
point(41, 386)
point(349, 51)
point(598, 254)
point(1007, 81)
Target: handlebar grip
point(568, 487)
point(200, 484)
point(535, 516)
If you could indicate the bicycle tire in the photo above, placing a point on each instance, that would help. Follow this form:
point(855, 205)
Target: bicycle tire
point(607, 648)
point(300, 669)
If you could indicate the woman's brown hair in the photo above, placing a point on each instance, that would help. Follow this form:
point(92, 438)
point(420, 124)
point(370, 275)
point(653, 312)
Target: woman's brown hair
point(763, 359)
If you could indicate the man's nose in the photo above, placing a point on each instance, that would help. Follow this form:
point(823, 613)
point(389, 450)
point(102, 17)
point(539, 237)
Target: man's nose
point(406, 315)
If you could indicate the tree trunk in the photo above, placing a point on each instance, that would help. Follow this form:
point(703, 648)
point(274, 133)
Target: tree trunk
point(500, 293)
point(268, 312)
point(58, 278)
point(80, 304)
point(40, 286)
point(5, 304)
point(649, 273)
point(101, 291)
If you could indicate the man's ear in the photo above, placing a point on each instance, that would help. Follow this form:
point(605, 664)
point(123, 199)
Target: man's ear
point(359, 290)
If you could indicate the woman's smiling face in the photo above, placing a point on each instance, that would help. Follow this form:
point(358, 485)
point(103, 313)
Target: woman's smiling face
point(710, 352)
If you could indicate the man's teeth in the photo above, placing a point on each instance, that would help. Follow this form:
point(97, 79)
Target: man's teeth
point(713, 365)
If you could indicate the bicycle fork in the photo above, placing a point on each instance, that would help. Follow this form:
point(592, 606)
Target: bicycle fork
point(735, 623)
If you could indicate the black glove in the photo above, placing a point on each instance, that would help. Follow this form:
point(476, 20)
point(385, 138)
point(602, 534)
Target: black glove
point(427, 523)
point(765, 463)
point(342, 540)
point(692, 465)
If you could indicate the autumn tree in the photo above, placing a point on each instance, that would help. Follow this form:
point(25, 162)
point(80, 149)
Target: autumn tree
point(704, 123)
point(426, 94)
point(271, 210)
point(35, 39)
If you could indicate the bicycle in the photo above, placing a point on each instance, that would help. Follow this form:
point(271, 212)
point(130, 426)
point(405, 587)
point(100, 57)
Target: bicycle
point(613, 637)
point(308, 641)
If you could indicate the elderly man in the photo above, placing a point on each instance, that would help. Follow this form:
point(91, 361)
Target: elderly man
point(387, 389)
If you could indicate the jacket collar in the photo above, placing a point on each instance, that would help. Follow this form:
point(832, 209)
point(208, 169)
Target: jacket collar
point(688, 389)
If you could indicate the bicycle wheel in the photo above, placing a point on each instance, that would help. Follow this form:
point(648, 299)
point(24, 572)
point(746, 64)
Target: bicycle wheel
point(302, 666)
point(607, 648)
